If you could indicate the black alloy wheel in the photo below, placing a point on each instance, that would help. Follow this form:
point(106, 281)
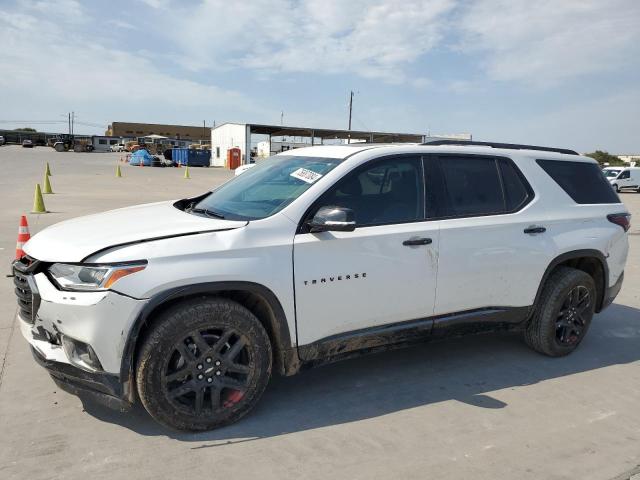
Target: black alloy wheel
point(208, 371)
point(204, 363)
point(563, 312)
point(572, 320)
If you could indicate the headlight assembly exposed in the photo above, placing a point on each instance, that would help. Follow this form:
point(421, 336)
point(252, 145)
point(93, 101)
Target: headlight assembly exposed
point(91, 277)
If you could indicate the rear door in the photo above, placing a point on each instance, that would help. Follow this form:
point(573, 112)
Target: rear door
point(487, 259)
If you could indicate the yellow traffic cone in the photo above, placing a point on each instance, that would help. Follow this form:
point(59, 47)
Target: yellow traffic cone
point(47, 185)
point(47, 172)
point(118, 172)
point(186, 172)
point(38, 202)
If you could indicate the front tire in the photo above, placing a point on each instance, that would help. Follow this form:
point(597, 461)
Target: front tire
point(616, 188)
point(564, 313)
point(204, 364)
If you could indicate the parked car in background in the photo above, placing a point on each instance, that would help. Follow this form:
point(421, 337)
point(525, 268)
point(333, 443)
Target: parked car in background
point(27, 143)
point(118, 147)
point(320, 254)
point(623, 178)
point(1, 140)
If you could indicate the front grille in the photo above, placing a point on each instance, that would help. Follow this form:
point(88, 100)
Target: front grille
point(22, 274)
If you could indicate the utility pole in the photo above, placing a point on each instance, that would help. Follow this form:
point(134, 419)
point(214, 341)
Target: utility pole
point(282, 118)
point(73, 121)
point(69, 114)
point(350, 111)
point(204, 129)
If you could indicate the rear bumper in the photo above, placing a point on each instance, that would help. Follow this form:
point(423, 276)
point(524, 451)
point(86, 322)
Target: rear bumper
point(103, 388)
point(612, 292)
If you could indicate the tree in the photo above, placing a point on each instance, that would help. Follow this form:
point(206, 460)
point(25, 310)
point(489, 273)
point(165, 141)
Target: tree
point(605, 157)
point(25, 129)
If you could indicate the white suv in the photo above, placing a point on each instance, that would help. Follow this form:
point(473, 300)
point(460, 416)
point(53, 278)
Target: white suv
point(314, 255)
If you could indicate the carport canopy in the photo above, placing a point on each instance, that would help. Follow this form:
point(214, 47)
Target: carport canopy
point(326, 134)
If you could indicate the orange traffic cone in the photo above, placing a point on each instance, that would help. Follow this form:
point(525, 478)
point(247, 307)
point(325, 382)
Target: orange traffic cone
point(23, 237)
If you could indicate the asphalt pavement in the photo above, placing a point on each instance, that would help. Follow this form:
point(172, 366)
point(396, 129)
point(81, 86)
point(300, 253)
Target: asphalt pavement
point(481, 407)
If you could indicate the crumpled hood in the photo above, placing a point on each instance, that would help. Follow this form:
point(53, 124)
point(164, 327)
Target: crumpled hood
point(74, 240)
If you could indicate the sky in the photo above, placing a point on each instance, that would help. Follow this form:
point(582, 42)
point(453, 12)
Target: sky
point(551, 72)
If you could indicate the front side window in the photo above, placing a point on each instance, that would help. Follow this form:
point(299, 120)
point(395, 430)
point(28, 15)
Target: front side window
point(383, 192)
point(266, 188)
point(624, 175)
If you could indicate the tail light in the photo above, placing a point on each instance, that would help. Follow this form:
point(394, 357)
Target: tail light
point(621, 219)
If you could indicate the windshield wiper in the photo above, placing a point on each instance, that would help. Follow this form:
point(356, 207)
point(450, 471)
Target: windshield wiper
point(207, 212)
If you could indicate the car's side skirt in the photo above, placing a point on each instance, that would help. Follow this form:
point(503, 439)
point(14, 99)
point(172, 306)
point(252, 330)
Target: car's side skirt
point(396, 335)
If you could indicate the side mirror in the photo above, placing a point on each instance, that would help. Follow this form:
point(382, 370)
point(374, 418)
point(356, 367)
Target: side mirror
point(333, 219)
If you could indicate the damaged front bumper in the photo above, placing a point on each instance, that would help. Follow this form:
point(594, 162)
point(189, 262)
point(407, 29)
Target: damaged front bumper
point(103, 388)
point(79, 337)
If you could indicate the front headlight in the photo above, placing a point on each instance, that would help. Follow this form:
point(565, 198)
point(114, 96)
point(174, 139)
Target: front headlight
point(91, 277)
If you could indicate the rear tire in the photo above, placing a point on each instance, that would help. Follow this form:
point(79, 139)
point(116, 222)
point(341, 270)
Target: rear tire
point(204, 364)
point(563, 314)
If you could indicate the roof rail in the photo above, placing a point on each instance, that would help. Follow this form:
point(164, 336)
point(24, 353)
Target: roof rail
point(513, 146)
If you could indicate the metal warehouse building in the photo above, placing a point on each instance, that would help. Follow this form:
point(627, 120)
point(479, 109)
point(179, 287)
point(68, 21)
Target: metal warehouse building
point(134, 130)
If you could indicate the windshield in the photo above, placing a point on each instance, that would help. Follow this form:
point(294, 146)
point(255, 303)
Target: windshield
point(611, 173)
point(264, 189)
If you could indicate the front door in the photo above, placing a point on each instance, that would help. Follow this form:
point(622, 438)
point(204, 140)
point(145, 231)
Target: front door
point(382, 273)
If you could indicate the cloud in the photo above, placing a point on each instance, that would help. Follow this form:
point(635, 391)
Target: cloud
point(547, 42)
point(373, 39)
point(122, 24)
point(543, 42)
point(54, 67)
point(158, 4)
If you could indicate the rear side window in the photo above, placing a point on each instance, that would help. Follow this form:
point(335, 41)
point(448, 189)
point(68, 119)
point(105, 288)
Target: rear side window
point(472, 186)
point(582, 181)
point(475, 185)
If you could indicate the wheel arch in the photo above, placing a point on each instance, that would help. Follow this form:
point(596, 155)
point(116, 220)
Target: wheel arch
point(261, 301)
point(590, 261)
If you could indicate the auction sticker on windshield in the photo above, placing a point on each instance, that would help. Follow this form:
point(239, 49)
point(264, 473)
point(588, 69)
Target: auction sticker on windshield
point(305, 175)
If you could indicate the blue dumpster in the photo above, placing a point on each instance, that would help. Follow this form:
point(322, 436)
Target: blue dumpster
point(191, 157)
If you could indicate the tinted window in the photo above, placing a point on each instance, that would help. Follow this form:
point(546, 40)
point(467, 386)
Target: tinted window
point(624, 175)
point(388, 191)
point(516, 191)
point(582, 181)
point(472, 186)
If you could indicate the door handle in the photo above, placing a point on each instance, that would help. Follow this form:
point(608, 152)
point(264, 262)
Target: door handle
point(534, 229)
point(417, 241)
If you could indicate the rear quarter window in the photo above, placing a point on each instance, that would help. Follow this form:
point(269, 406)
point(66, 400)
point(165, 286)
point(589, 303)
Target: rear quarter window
point(582, 181)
